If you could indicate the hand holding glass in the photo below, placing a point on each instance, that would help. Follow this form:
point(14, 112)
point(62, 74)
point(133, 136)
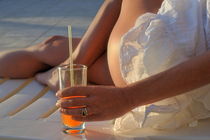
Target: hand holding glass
point(72, 76)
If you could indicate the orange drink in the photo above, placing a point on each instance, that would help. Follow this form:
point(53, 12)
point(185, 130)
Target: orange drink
point(67, 119)
point(79, 78)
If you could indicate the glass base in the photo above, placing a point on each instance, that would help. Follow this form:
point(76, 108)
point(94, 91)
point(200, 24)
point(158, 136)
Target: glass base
point(74, 130)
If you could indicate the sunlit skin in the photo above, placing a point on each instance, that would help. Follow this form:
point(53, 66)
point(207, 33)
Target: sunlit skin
point(97, 49)
point(108, 102)
point(111, 97)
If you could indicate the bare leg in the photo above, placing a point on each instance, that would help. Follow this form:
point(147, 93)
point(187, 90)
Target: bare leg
point(27, 62)
point(54, 50)
point(98, 73)
point(19, 64)
point(92, 46)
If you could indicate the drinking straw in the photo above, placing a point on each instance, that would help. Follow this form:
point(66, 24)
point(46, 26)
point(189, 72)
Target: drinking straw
point(70, 56)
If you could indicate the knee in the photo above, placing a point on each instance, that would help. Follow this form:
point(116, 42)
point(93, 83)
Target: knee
point(60, 41)
point(55, 38)
point(52, 51)
point(46, 44)
point(57, 44)
point(52, 45)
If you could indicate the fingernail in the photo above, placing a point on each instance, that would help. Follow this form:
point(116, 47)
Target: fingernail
point(58, 103)
point(57, 94)
point(61, 110)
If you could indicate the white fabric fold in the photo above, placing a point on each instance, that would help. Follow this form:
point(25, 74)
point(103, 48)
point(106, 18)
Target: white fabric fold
point(157, 42)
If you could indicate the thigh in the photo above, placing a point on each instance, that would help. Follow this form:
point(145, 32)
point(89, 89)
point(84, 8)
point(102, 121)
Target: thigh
point(53, 50)
point(98, 73)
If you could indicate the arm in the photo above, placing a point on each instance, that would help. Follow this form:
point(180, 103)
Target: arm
point(108, 102)
point(182, 78)
point(94, 41)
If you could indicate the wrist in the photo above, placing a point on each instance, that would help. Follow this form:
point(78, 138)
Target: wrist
point(129, 96)
point(137, 94)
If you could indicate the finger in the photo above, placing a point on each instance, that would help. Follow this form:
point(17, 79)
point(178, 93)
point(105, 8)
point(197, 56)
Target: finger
point(73, 102)
point(75, 91)
point(74, 111)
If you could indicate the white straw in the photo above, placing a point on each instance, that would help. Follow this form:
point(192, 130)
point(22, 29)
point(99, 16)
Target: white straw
point(70, 56)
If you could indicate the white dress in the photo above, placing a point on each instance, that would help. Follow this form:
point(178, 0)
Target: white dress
point(179, 31)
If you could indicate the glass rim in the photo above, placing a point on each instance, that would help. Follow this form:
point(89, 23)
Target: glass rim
point(67, 67)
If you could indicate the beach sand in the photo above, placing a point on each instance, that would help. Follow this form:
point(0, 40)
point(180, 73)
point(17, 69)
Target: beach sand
point(26, 22)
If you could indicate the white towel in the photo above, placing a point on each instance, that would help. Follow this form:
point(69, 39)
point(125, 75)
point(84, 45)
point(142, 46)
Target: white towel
point(179, 31)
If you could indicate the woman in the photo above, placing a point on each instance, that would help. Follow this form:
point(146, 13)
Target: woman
point(106, 29)
point(141, 84)
point(162, 56)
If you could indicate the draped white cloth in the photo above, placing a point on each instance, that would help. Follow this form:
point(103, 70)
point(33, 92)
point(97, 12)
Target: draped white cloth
point(179, 31)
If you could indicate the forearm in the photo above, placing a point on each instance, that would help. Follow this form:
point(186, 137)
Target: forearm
point(182, 78)
point(94, 41)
